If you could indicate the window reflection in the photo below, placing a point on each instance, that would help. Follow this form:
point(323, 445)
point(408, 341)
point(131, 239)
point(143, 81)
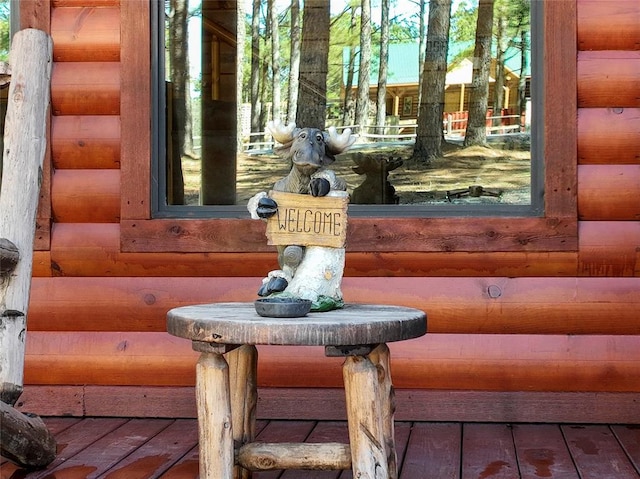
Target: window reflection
point(439, 94)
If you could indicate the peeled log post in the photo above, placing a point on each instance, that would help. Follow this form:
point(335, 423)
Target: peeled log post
point(23, 156)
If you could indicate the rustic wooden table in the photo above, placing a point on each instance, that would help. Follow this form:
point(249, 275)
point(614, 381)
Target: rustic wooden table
point(226, 394)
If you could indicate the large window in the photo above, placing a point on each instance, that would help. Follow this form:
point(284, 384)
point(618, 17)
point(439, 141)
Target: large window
point(440, 95)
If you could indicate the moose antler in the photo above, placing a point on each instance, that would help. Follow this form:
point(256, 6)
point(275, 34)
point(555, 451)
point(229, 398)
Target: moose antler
point(337, 143)
point(280, 132)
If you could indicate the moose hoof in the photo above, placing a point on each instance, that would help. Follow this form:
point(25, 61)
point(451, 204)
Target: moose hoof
point(267, 207)
point(319, 187)
point(274, 285)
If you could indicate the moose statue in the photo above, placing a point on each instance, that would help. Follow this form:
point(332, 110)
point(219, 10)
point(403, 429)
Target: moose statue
point(307, 271)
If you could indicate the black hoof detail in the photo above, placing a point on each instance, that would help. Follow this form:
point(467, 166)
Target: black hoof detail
point(266, 207)
point(319, 187)
point(274, 285)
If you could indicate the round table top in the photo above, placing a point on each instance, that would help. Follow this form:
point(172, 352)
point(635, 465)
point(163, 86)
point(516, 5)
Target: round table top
point(354, 324)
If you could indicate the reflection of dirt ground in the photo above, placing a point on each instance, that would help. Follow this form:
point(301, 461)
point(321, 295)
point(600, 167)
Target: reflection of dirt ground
point(493, 168)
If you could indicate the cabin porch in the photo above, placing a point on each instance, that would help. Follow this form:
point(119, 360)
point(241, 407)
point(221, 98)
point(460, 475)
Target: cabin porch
point(114, 447)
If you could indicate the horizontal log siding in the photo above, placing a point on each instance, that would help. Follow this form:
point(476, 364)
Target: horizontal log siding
point(608, 25)
point(97, 312)
point(85, 141)
point(609, 136)
point(90, 249)
point(453, 305)
point(85, 88)
point(83, 34)
point(609, 192)
point(86, 196)
point(608, 79)
point(438, 361)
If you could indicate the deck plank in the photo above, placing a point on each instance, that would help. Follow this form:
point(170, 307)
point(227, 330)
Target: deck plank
point(433, 451)
point(597, 453)
point(542, 452)
point(188, 467)
point(108, 451)
point(119, 448)
point(629, 438)
point(488, 451)
point(155, 456)
point(78, 437)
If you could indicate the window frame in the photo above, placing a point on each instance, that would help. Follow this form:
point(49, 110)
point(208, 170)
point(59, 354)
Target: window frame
point(554, 230)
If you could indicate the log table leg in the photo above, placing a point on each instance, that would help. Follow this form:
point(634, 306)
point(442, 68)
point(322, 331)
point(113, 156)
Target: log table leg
point(365, 417)
point(214, 417)
point(380, 357)
point(243, 367)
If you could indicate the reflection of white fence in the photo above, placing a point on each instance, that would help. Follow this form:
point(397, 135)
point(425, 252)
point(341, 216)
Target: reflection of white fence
point(454, 124)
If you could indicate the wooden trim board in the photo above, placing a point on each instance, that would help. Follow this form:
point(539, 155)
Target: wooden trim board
point(328, 404)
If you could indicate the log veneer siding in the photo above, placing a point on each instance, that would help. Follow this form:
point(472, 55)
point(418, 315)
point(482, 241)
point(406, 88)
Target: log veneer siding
point(464, 305)
point(569, 298)
point(438, 361)
point(609, 136)
point(85, 141)
point(608, 25)
point(84, 34)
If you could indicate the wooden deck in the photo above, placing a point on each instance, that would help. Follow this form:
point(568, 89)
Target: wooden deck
point(120, 448)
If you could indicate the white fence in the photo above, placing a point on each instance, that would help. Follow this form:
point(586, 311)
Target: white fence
point(453, 125)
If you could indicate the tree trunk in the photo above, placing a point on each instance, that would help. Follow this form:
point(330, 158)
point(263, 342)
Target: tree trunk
point(347, 106)
point(23, 439)
point(478, 96)
point(179, 108)
point(362, 103)
point(275, 59)
point(381, 100)
point(25, 145)
point(294, 62)
point(421, 49)
point(429, 136)
point(314, 65)
point(255, 71)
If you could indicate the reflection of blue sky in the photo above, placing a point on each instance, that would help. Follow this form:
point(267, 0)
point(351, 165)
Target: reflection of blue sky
point(397, 9)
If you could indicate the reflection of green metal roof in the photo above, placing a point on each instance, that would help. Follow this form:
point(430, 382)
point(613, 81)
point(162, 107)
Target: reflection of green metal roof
point(403, 62)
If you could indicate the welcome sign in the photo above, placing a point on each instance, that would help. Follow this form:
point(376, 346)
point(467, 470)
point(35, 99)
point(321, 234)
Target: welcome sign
point(308, 220)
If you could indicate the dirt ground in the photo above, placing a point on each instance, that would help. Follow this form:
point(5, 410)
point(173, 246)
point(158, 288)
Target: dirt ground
point(501, 167)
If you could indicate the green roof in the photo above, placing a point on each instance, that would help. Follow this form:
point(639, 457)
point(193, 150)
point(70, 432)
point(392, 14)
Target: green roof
point(403, 62)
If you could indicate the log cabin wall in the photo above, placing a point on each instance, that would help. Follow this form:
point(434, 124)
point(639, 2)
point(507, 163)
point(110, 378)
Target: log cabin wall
point(513, 335)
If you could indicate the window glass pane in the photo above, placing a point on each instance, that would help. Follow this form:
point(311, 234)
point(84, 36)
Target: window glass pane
point(5, 38)
point(440, 99)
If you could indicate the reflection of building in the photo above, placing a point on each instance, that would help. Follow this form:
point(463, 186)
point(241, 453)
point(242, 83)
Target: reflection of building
point(403, 75)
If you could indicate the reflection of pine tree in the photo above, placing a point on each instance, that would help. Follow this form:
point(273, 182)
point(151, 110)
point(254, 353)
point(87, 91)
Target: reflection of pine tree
point(479, 95)
point(429, 136)
point(5, 29)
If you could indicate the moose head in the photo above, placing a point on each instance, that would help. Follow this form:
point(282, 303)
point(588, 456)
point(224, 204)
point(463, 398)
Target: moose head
point(309, 149)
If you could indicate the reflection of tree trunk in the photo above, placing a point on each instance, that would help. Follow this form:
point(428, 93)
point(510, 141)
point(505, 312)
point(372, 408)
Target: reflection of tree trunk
point(498, 87)
point(362, 104)
point(522, 81)
point(478, 97)
point(219, 104)
point(429, 134)
point(314, 59)
point(294, 69)
point(421, 47)
point(347, 106)
point(275, 60)
point(255, 69)
point(381, 100)
point(179, 95)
